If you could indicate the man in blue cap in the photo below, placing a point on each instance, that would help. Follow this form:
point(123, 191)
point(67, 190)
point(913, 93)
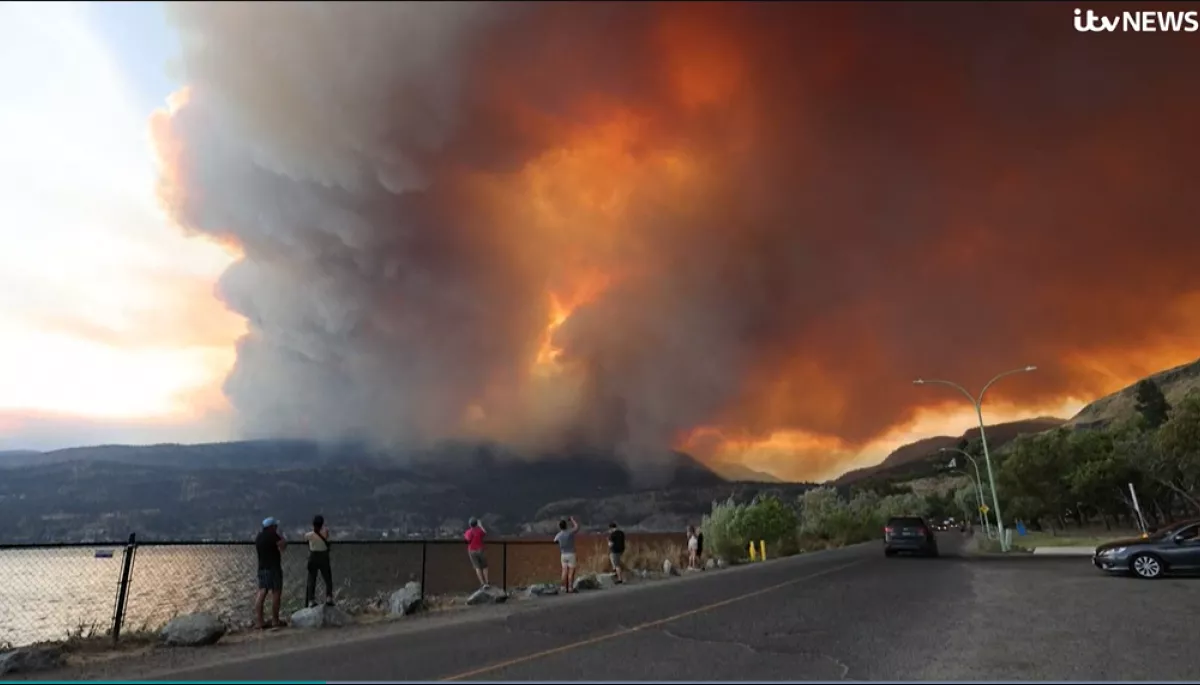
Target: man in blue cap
point(269, 545)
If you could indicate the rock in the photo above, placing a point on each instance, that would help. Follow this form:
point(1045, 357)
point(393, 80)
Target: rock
point(320, 616)
point(193, 630)
point(606, 580)
point(542, 590)
point(31, 659)
point(710, 564)
point(586, 582)
point(406, 600)
point(642, 573)
point(481, 596)
point(669, 568)
point(721, 563)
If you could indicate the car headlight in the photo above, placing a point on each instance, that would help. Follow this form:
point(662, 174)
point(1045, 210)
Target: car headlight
point(1112, 551)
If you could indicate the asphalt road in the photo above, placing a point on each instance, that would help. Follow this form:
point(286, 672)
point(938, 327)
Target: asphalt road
point(842, 614)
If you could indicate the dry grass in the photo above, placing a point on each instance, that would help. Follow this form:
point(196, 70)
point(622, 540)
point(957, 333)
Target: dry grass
point(92, 638)
point(638, 556)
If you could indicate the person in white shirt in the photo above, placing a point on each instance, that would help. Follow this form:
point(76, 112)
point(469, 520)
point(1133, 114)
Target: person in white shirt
point(318, 562)
point(693, 547)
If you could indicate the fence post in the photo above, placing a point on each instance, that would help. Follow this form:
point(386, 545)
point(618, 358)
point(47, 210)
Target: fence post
point(504, 566)
point(424, 556)
point(123, 586)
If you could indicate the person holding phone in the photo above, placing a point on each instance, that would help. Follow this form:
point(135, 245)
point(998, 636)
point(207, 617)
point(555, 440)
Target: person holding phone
point(474, 537)
point(566, 550)
point(269, 546)
point(318, 562)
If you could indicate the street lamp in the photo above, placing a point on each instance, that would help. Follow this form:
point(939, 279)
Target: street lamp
point(978, 402)
point(978, 485)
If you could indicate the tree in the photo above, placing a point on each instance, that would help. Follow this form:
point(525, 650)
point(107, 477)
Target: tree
point(1034, 475)
point(1152, 403)
point(1178, 441)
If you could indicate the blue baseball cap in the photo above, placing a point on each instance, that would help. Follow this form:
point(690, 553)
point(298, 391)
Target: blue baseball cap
point(269, 521)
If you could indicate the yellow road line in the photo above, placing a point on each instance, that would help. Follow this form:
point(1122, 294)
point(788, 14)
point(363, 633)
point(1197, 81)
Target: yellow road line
point(643, 626)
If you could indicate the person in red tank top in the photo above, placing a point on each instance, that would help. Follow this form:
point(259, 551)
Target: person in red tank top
point(474, 537)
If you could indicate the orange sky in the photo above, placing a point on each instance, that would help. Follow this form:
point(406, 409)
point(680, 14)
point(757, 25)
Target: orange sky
point(740, 229)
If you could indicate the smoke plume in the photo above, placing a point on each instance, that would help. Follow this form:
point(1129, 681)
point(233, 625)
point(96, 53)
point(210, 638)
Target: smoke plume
point(624, 225)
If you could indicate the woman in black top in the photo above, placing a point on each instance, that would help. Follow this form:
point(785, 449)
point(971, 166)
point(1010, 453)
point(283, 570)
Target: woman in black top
point(318, 562)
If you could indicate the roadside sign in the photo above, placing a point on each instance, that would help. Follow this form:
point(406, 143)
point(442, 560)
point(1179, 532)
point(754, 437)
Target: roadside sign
point(983, 508)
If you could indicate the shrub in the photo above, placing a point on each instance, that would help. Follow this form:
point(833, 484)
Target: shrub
point(827, 520)
point(769, 519)
point(721, 532)
point(730, 527)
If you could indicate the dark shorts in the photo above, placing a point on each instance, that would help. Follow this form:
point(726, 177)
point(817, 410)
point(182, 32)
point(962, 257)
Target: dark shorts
point(477, 559)
point(270, 579)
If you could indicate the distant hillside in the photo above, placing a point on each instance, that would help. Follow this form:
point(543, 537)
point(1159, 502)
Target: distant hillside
point(1119, 406)
point(737, 473)
point(220, 491)
point(912, 457)
point(658, 510)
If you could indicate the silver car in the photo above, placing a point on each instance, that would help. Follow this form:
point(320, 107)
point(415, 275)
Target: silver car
point(1174, 549)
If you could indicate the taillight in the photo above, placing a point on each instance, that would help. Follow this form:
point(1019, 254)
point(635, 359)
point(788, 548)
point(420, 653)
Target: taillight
point(922, 531)
point(887, 530)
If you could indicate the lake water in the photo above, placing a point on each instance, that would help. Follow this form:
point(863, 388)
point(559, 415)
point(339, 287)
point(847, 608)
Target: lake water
point(48, 592)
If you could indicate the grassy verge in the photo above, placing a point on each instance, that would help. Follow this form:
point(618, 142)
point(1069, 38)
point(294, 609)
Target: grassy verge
point(1034, 540)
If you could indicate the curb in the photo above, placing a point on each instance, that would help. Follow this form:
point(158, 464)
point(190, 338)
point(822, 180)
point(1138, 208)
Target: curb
point(1064, 551)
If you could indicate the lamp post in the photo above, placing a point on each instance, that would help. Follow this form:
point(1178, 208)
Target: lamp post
point(978, 487)
point(978, 402)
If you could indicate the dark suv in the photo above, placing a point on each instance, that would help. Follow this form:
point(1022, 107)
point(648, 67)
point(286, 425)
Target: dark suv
point(1175, 548)
point(909, 534)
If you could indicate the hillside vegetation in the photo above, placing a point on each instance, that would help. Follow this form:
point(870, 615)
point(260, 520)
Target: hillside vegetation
point(922, 458)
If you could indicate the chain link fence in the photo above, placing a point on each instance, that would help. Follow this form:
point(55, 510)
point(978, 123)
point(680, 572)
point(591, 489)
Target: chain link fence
point(55, 592)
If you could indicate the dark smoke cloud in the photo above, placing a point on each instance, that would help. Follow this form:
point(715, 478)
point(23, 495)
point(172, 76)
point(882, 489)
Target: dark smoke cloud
point(767, 217)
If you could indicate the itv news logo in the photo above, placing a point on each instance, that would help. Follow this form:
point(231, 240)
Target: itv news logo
point(1140, 22)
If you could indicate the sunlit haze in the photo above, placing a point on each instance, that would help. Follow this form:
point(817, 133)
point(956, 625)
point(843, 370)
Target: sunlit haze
point(106, 310)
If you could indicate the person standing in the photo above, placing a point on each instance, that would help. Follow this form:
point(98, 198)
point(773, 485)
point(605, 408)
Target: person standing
point(318, 562)
point(269, 546)
point(566, 552)
point(693, 545)
point(474, 536)
point(616, 547)
point(699, 548)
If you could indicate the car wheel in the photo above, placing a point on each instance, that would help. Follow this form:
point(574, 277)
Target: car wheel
point(1146, 566)
point(933, 552)
point(889, 552)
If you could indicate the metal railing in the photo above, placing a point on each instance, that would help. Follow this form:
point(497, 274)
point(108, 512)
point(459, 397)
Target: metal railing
point(57, 591)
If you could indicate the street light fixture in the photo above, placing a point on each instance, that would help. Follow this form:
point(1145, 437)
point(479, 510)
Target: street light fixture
point(978, 402)
point(978, 485)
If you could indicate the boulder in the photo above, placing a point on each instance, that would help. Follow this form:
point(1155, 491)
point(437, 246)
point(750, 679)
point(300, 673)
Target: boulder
point(32, 659)
point(669, 568)
point(721, 563)
point(710, 564)
point(606, 580)
point(586, 582)
point(320, 616)
point(406, 600)
point(481, 596)
point(542, 590)
point(193, 630)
